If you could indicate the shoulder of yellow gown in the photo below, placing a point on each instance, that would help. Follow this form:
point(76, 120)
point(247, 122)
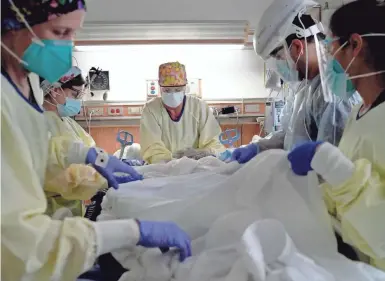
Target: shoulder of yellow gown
point(154, 105)
point(80, 132)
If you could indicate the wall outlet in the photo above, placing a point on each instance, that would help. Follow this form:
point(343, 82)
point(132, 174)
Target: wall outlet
point(115, 111)
point(260, 120)
point(252, 108)
point(135, 110)
point(95, 111)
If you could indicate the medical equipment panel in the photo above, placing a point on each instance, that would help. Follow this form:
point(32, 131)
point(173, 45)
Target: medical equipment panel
point(152, 89)
point(193, 88)
point(273, 111)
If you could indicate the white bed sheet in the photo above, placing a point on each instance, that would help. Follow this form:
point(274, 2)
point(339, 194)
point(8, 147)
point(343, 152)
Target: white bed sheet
point(215, 203)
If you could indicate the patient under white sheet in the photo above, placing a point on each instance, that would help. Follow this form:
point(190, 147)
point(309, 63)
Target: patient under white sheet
point(215, 203)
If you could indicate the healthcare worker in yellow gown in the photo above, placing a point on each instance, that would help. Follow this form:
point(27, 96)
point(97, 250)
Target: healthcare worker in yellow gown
point(66, 187)
point(175, 123)
point(37, 39)
point(355, 171)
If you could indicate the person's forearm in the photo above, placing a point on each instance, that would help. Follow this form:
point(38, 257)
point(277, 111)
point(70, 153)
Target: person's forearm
point(64, 151)
point(160, 158)
point(77, 182)
point(275, 142)
point(155, 153)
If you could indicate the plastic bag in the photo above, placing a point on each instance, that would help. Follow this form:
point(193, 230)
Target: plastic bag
point(216, 207)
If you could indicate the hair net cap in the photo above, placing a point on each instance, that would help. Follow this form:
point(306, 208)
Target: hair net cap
point(275, 24)
point(172, 74)
point(35, 12)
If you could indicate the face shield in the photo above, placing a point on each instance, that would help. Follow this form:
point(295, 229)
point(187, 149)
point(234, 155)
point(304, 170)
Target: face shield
point(335, 79)
point(281, 60)
point(273, 81)
point(282, 64)
point(275, 23)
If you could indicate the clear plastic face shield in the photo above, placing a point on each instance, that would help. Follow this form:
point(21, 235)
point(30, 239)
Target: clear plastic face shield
point(72, 103)
point(335, 79)
point(281, 60)
point(70, 93)
point(283, 64)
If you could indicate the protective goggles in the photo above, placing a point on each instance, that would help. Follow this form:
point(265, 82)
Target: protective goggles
point(282, 63)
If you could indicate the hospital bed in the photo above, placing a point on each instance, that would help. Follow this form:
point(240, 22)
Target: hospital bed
point(215, 226)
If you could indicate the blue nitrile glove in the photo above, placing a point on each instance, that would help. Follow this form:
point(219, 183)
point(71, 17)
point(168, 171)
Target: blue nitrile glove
point(164, 235)
point(107, 165)
point(301, 156)
point(133, 162)
point(225, 156)
point(245, 154)
point(125, 179)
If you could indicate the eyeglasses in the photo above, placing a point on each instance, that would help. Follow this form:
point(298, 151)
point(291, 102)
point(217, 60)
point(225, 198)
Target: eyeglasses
point(171, 90)
point(280, 53)
point(276, 52)
point(77, 94)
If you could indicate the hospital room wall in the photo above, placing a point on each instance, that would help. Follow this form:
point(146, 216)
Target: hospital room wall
point(225, 73)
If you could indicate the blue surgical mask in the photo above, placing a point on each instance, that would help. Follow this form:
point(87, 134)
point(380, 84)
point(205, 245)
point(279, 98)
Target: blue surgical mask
point(340, 84)
point(50, 59)
point(286, 67)
point(173, 100)
point(286, 72)
point(339, 81)
point(70, 108)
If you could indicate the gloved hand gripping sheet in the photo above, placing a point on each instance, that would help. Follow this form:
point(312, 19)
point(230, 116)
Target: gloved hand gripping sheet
point(253, 222)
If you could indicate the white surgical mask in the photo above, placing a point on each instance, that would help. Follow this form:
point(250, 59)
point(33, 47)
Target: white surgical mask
point(173, 99)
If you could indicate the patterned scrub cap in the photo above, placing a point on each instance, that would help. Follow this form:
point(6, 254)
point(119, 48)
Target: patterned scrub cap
point(172, 74)
point(71, 74)
point(35, 11)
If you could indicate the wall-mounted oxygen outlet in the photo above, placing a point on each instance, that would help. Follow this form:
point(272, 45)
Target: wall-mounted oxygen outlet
point(96, 111)
point(116, 111)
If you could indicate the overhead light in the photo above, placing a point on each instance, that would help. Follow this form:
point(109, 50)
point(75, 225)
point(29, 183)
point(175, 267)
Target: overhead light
point(168, 30)
point(133, 47)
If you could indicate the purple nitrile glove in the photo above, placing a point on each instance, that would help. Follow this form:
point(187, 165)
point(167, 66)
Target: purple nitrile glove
point(301, 156)
point(164, 235)
point(107, 165)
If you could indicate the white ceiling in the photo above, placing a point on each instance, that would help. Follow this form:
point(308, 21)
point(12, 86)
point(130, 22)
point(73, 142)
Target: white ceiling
point(175, 10)
point(181, 10)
